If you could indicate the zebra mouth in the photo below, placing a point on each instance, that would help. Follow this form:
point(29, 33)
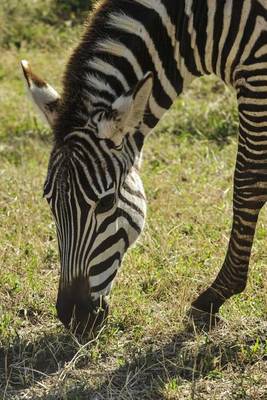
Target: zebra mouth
point(78, 312)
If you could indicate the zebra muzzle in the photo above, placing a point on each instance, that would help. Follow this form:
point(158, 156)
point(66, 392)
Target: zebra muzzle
point(78, 312)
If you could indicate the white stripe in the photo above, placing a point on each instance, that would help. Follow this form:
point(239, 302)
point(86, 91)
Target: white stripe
point(119, 246)
point(256, 89)
point(100, 278)
point(250, 150)
point(103, 292)
point(159, 7)
point(118, 49)
point(251, 67)
point(261, 124)
point(227, 13)
point(54, 180)
point(262, 51)
point(255, 113)
point(257, 78)
point(108, 69)
point(260, 22)
point(71, 264)
point(90, 182)
point(95, 81)
point(210, 38)
point(89, 100)
point(193, 35)
point(249, 100)
point(100, 157)
point(135, 27)
point(78, 237)
point(87, 174)
point(87, 234)
point(236, 45)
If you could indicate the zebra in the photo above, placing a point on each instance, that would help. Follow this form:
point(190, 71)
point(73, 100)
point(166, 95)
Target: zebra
point(133, 60)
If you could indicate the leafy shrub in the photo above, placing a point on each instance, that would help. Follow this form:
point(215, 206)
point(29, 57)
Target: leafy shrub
point(72, 8)
point(39, 23)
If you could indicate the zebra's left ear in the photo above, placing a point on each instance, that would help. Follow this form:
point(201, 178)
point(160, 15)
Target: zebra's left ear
point(128, 111)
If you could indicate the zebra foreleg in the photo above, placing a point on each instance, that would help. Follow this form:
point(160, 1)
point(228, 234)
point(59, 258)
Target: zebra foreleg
point(250, 194)
point(232, 277)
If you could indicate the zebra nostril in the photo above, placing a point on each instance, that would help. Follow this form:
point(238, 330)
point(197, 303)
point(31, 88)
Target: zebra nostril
point(78, 312)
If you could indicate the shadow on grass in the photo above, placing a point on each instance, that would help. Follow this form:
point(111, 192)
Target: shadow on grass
point(28, 361)
point(185, 358)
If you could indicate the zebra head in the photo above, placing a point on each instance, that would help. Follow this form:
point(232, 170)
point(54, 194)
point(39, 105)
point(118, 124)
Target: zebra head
point(96, 197)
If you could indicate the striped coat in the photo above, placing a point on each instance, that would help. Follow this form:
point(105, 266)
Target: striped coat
point(134, 59)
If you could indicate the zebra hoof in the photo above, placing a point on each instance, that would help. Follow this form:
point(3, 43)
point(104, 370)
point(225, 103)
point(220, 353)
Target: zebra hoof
point(204, 310)
point(202, 320)
point(208, 302)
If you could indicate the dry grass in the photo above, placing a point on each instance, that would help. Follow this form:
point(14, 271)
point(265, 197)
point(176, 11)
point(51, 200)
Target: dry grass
point(229, 363)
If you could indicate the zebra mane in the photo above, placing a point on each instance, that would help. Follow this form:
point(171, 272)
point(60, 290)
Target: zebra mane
point(78, 86)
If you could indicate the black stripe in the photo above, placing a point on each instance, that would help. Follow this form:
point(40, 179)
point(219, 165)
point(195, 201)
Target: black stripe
point(200, 22)
point(217, 31)
point(103, 266)
point(103, 285)
point(131, 205)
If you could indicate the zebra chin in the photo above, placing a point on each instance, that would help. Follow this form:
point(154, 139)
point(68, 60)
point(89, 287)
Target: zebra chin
point(78, 311)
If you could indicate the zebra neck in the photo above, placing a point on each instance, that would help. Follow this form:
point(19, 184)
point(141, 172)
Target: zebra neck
point(123, 41)
point(176, 40)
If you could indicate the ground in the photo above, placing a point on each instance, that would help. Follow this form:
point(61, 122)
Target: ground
point(147, 350)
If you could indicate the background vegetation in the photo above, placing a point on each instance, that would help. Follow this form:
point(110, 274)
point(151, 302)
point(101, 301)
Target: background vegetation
point(146, 351)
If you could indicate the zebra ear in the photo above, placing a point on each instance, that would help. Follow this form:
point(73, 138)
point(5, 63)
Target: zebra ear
point(42, 94)
point(139, 100)
point(131, 107)
point(127, 111)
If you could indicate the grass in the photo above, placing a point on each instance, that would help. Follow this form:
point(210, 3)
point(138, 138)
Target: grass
point(146, 351)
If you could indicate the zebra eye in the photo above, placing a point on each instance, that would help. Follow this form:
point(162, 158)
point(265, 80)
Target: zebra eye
point(105, 204)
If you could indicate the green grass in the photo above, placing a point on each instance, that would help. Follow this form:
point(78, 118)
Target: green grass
point(146, 351)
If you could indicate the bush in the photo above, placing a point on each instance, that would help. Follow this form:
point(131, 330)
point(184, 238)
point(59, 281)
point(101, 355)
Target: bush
point(39, 23)
point(72, 8)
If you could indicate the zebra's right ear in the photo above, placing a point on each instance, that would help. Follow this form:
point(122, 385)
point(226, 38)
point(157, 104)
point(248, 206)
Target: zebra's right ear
point(42, 94)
